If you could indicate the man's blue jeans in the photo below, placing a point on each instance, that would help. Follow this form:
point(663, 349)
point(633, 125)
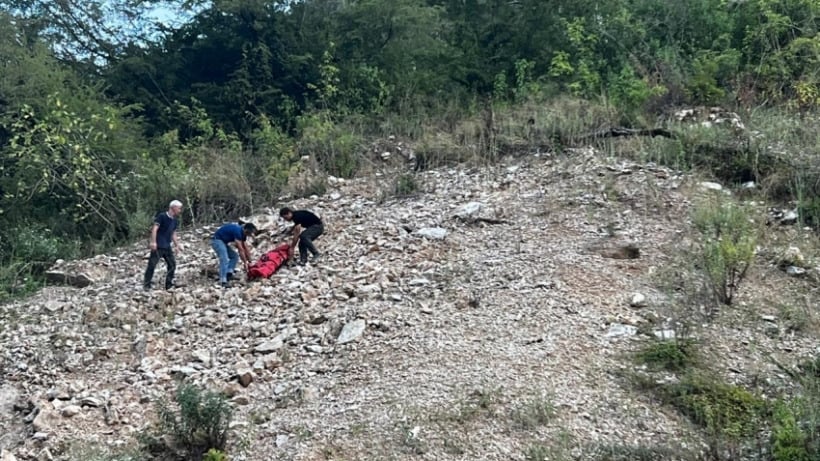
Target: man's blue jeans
point(227, 258)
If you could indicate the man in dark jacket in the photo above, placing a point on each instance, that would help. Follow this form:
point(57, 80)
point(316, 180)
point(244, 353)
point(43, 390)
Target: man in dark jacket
point(307, 228)
point(163, 233)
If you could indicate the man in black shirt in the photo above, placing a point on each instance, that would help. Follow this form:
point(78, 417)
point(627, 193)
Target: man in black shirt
point(307, 228)
point(163, 233)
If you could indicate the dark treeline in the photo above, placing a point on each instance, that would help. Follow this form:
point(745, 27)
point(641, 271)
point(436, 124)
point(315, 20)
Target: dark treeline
point(106, 113)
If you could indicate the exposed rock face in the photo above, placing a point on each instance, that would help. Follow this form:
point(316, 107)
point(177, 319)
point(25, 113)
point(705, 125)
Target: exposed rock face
point(512, 277)
point(709, 116)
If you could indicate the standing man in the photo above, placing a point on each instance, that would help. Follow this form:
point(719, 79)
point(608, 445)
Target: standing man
point(307, 228)
point(163, 232)
point(229, 233)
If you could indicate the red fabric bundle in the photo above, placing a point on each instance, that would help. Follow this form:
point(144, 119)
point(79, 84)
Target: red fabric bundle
point(269, 262)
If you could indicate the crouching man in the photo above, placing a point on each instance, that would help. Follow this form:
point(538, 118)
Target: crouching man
point(220, 242)
point(307, 227)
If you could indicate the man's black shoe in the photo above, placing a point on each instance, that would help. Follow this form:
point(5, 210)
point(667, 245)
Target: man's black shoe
point(230, 276)
point(175, 285)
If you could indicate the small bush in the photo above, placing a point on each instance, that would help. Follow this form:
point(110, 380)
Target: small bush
point(215, 455)
point(307, 180)
point(810, 368)
point(405, 185)
point(727, 248)
point(724, 410)
point(796, 318)
point(479, 402)
point(789, 441)
point(533, 413)
point(26, 252)
point(316, 185)
point(558, 448)
point(809, 211)
point(334, 148)
point(196, 422)
point(537, 452)
point(439, 149)
point(676, 355)
point(17, 278)
point(36, 245)
point(274, 158)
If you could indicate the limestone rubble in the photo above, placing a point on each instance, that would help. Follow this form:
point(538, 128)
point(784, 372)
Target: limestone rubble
point(415, 306)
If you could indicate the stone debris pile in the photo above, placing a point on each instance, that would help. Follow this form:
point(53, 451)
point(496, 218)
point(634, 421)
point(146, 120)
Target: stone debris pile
point(523, 276)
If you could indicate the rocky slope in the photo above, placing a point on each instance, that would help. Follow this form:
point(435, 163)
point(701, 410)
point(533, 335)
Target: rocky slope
point(432, 324)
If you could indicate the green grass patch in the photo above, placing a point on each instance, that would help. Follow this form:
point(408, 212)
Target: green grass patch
point(675, 355)
point(533, 413)
point(722, 409)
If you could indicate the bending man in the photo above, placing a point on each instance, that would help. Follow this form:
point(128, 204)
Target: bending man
point(307, 228)
point(220, 242)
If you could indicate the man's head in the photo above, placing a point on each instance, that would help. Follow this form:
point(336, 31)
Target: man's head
point(286, 214)
point(249, 229)
point(175, 208)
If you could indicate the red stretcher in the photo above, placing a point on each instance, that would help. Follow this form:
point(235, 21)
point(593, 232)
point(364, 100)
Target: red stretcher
point(269, 262)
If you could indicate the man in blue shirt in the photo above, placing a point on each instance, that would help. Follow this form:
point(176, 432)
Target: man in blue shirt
point(163, 232)
point(229, 233)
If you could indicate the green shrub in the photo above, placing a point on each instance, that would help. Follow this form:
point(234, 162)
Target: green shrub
point(703, 86)
point(533, 413)
point(273, 158)
point(215, 455)
point(537, 452)
point(438, 149)
point(405, 185)
point(307, 180)
point(725, 410)
point(335, 149)
point(17, 278)
point(26, 252)
point(810, 368)
point(479, 402)
point(789, 441)
point(36, 245)
point(630, 93)
point(676, 355)
point(796, 318)
point(809, 211)
point(727, 246)
point(196, 422)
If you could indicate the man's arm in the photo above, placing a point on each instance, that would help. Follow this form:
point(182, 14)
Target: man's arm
point(244, 254)
point(297, 229)
point(176, 241)
point(153, 243)
point(247, 252)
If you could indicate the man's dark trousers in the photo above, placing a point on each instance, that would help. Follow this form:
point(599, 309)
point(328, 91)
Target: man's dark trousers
point(167, 254)
point(306, 239)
